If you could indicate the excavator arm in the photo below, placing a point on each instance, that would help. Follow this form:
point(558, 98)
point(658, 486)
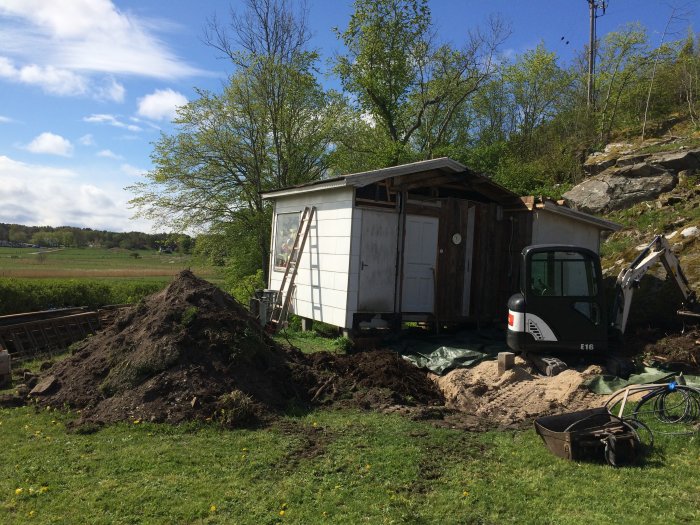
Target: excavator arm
point(658, 251)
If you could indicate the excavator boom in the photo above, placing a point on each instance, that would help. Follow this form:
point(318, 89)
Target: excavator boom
point(629, 278)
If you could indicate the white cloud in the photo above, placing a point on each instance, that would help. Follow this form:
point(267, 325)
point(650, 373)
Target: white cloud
point(43, 195)
point(111, 90)
point(51, 144)
point(5, 120)
point(87, 140)
point(106, 118)
point(162, 104)
point(91, 36)
point(49, 78)
point(132, 171)
point(109, 154)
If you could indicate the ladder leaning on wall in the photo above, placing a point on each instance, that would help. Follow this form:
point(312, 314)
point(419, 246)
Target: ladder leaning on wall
point(284, 296)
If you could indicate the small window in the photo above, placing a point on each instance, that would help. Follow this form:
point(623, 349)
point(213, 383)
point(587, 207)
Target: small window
point(285, 232)
point(563, 274)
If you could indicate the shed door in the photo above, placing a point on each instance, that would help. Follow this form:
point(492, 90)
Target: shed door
point(420, 252)
point(377, 261)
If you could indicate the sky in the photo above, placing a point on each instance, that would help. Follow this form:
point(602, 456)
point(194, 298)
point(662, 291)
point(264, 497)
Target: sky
point(87, 86)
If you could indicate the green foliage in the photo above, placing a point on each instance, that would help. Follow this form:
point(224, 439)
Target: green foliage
point(17, 295)
point(410, 91)
point(189, 316)
point(235, 409)
point(70, 236)
point(270, 127)
point(243, 288)
point(342, 344)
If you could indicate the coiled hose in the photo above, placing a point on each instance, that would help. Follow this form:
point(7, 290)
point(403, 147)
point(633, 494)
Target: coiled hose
point(669, 404)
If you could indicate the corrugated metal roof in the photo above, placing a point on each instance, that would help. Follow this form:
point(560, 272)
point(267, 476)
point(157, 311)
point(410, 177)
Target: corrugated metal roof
point(446, 165)
point(364, 178)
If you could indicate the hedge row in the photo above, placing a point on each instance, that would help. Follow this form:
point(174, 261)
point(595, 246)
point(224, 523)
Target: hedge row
point(27, 295)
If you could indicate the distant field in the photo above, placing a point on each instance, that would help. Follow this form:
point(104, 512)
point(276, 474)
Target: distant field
point(32, 279)
point(72, 263)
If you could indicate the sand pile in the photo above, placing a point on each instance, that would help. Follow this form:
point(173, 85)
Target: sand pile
point(191, 352)
point(517, 397)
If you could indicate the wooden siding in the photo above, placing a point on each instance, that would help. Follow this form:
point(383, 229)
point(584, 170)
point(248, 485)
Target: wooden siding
point(451, 262)
point(497, 247)
point(322, 286)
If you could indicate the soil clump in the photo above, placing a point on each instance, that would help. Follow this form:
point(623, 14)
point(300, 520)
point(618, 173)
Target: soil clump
point(676, 351)
point(191, 352)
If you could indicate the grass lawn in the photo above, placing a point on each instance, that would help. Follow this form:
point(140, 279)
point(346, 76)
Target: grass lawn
point(94, 263)
point(325, 467)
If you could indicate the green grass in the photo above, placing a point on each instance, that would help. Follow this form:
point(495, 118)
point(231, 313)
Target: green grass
point(325, 467)
point(93, 262)
point(310, 342)
point(35, 280)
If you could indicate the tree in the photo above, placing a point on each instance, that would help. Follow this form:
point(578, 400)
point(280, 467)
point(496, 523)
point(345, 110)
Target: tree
point(409, 88)
point(537, 86)
point(269, 128)
point(623, 55)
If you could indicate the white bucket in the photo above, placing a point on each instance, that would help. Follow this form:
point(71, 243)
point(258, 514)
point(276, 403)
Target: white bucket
point(4, 364)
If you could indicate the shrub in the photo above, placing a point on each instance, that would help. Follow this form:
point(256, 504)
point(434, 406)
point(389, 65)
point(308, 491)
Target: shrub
point(21, 295)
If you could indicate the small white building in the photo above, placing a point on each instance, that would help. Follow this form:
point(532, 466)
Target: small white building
point(431, 240)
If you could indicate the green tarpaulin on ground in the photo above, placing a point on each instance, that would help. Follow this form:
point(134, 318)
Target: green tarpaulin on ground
point(440, 354)
point(609, 384)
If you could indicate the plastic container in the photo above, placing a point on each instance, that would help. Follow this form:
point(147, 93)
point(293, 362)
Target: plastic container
point(4, 365)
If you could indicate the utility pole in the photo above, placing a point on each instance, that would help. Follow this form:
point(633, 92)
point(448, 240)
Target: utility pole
point(593, 7)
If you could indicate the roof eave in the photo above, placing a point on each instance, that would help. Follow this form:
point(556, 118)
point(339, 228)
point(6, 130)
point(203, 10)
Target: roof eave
point(581, 216)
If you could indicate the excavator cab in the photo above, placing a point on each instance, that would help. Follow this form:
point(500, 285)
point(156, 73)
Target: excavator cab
point(561, 304)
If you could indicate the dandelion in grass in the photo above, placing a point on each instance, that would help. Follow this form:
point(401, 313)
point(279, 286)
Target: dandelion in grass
point(19, 491)
point(43, 489)
point(282, 512)
point(212, 509)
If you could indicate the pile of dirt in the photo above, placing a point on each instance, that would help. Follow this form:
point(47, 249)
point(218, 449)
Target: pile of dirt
point(191, 352)
point(378, 378)
point(677, 350)
point(518, 396)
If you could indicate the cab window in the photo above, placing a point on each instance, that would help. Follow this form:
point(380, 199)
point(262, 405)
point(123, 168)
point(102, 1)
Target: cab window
point(562, 274)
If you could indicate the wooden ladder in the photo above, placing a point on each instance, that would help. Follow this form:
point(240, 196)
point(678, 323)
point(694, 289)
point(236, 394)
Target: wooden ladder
point(284, 296)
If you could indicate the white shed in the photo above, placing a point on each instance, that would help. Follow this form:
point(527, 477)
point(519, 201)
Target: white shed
point(430, 240)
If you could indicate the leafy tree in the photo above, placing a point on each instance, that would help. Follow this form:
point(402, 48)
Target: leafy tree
point(538, 87)
point(408, 88)
point(623, 56)
point(269, 128)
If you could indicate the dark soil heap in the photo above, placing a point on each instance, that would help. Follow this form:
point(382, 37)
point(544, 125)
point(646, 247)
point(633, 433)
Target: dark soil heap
point(191, 352)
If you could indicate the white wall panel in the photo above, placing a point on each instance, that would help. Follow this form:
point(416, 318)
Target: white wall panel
point(322, 279)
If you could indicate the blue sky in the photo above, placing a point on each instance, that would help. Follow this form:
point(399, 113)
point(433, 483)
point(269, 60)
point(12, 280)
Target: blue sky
point(86, 86)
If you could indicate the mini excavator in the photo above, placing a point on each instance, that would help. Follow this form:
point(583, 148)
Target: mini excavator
point(561, 307)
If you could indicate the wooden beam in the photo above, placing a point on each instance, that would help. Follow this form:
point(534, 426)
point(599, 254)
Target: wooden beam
point(428, 182)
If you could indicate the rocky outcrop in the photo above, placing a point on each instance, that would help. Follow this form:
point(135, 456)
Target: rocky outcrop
point(623, 177)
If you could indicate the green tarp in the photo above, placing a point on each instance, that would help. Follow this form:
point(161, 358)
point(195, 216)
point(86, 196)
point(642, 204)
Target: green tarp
point(609, 384)
point(440, 354)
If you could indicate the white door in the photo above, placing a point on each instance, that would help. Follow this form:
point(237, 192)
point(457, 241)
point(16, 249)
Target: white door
point(377, 261)
point(419, 256)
